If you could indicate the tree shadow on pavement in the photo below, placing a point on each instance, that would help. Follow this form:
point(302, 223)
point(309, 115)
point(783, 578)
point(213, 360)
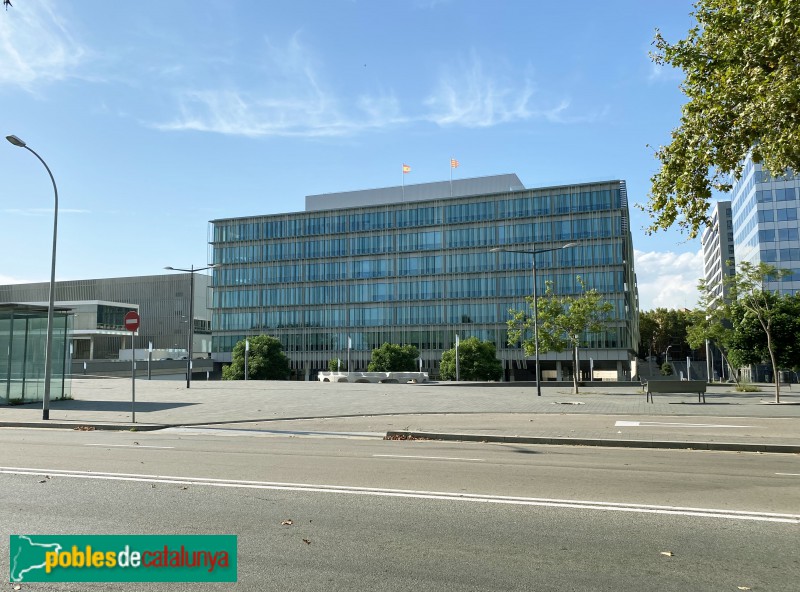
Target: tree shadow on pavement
point(73, 405)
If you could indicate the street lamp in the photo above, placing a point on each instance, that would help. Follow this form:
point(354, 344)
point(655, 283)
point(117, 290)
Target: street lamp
point(192, 270)
point(48, 362)
point(535, 305)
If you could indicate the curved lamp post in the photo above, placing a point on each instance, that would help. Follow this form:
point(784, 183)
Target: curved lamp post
point(48, 361)
point(535, 304)
point(192, 270)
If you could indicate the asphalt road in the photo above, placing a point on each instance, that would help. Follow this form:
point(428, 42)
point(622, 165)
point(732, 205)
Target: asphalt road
point(418, 515)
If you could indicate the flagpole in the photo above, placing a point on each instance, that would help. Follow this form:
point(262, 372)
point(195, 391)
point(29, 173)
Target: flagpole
point(403, 177)
point(453, 165)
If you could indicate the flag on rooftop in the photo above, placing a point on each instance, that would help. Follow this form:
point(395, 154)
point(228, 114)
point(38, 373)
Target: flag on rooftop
point(406, 168)
point(453, 163)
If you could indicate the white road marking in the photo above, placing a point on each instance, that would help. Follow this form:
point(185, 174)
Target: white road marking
point(789, 474)
point(427, 457)
point(130, 446)
point(653, 424)
point(413, 494)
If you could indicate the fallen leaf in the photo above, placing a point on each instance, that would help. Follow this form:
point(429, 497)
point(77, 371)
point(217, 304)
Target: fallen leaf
point(184, 488)
point(153, 485)
point(286, 523)
point(306, 541)
point(17, 587)
point(668, 553)
point(136, 443)
point(744, 587)
point(43, 481)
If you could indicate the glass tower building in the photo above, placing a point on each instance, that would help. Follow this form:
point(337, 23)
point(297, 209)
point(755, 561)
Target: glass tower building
point(412, 265)
point(765, 223)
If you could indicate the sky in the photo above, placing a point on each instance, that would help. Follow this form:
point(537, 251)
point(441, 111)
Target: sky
point(156, 117)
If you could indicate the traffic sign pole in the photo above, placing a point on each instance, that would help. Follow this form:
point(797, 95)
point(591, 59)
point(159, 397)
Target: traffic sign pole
point(132, 321)
point(133, 379)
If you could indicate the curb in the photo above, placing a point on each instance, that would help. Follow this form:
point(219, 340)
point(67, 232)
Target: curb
point(78, 425)
point(664, 444)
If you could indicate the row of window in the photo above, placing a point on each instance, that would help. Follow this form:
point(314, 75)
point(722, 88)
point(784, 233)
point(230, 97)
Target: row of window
point(480, 211)
point(595, 255)
point(485, 236)
point(375, 316)
point(423, 339)
point(477, 287)
point(766, 195)
point(764, 216)
point(781, 234)
point(775, 255)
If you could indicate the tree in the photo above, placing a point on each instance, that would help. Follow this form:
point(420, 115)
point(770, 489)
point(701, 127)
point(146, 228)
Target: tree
point(661, 328)
point(265, 360)
point(337, 365)
point(749, 344)
point(710, 321)
point(754, 324)
point(742, 78)
point(394, 358)
point(746, 289)
point(563, 320)
point(477, 360)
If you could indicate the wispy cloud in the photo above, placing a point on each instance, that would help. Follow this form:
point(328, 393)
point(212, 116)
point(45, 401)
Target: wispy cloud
point(474, 98)
point(37, 46)
point(292, 100)
point(289, 102)
point(668, 280)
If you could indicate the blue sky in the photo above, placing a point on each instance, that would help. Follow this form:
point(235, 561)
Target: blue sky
point(156, 117)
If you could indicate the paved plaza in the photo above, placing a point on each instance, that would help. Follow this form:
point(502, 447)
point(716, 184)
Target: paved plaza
point(614, 414)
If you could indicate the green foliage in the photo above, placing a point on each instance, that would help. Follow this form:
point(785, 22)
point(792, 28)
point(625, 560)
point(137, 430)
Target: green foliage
point(337, 365)
point(394, 358)
point(265, 360)
point(755, 325)
point(477, 360)
point(666, 369)
point(746, 387)
point(563, 320)
point(710, 321)
point(661, 328)
point(742, 81)
point(749, 344)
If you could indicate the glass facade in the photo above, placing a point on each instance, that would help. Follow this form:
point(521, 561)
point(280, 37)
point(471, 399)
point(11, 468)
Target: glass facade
point(23, 337)
point(765, 213)
point(420, 272)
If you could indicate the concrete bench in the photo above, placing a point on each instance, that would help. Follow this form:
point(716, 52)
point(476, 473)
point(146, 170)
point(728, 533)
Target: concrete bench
point(677, 386)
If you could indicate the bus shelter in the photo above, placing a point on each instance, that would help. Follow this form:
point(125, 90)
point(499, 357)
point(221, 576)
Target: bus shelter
point(23, 340)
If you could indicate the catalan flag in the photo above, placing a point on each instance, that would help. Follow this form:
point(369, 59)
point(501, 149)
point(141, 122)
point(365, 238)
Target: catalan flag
point(406, 168)
point(453, 163)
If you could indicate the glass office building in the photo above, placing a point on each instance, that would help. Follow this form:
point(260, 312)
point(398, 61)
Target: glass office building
point(412, 265)
point(23, 337)
point(765, 223)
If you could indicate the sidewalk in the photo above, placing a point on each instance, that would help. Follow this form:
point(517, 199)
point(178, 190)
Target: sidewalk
point(604, 414)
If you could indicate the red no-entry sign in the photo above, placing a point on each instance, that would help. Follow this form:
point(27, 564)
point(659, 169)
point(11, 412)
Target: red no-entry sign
point(132, 321)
